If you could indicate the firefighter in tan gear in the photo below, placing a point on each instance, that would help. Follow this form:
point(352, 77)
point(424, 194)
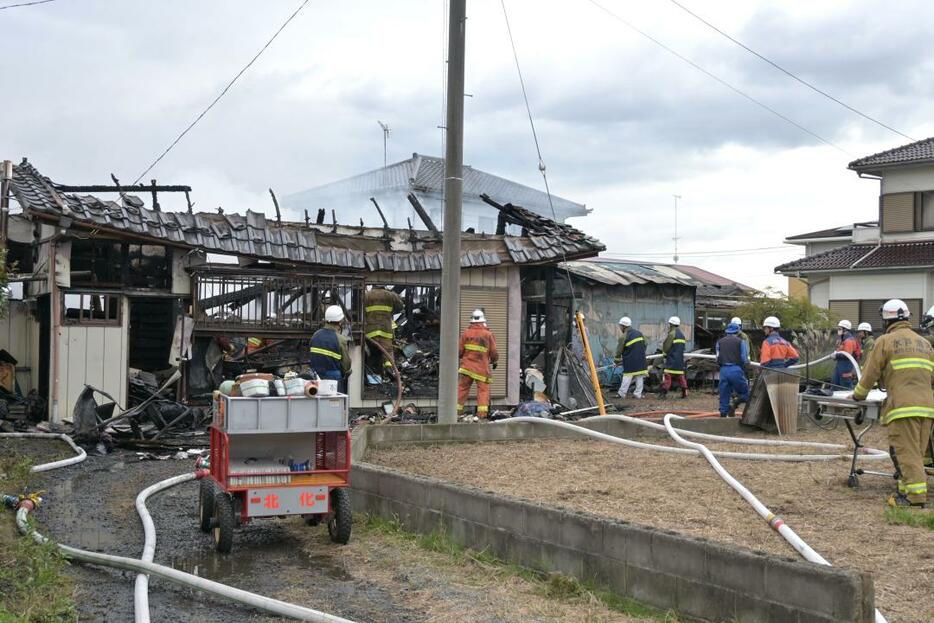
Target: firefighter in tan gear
point(379, 306)
point(903, 363)
point(478, 356)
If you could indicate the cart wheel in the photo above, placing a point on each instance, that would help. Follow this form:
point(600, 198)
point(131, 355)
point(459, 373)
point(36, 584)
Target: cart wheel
point(223, 523)
point(341, 520)
point(853, 481)
point(206, 494)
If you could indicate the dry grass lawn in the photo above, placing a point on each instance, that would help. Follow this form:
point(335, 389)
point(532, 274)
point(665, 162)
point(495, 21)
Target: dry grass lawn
point(680, 493)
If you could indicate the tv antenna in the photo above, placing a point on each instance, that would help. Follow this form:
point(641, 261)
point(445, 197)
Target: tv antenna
point(676, 237)
point(386, 132)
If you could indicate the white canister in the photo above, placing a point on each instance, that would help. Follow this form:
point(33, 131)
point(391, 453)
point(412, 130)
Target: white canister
point(295, 386)
point(280, 387)
point(327, 387)
point(254, 388)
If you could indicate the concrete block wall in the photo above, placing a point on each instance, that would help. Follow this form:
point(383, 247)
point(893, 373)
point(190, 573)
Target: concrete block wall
point(701, 579)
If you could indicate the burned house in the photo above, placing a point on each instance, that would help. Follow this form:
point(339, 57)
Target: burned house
point(103, 286)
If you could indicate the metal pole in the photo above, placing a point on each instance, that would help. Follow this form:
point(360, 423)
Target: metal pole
point(676, 226)
point(453, 195)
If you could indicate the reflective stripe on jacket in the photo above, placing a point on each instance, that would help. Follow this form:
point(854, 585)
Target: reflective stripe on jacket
point(674, 351)
point(329, 352)
point(631, 349)
point(379, 305)
point(477, 351)
point(777, 352)
point(902, 362)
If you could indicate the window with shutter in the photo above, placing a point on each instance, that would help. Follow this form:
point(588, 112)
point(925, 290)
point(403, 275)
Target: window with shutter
point(849, 310)
point(495, 305)
point(898, 213)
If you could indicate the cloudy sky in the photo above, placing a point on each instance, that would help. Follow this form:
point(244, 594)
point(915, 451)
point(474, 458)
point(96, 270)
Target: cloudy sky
point(94, 87)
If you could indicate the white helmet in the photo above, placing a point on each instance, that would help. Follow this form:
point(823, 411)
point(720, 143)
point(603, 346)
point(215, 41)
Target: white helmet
point(625, 321)
point(675, 321)
point(772, 322)
point(895, 309)
point(864, 326)
point(927, 320)
point(737, 321)
point(333, 313)
point(845, 324)
point(477, 316)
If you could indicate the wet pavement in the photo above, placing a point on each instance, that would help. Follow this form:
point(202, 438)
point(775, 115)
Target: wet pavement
point(91, 506)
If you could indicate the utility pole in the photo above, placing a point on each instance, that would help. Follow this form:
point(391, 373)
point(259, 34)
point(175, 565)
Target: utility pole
point(453, 196)
point(676, 238)
point(385, 127)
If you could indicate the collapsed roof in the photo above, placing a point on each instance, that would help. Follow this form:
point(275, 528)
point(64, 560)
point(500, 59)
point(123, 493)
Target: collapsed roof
point(253, 235)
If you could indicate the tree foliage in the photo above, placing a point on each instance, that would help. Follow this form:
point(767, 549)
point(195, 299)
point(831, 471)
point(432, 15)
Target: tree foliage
point(794, 313)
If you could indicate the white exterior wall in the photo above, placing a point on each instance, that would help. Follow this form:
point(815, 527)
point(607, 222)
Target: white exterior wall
point(20, 338)
point(819, 292)
point(908, 179)
point(93, 355)
point(879, 285)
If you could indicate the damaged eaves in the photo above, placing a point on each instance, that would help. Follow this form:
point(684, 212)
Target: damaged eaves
point(337, 246)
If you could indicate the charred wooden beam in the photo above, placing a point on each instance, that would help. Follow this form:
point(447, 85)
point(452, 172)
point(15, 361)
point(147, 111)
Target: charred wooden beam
point(381, 215)
point(275, 202)
point(320, 219)
point(118, 188)
point(422, 214)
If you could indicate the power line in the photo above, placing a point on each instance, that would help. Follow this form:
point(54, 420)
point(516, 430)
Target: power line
point(789, 73)
point(222, 93)
point(538, 150)
point(713, 76)
point(712, 253)
point(13, 6)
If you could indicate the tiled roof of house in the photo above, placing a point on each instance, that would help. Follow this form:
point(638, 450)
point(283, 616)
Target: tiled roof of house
point(919, 151)
point(865, 256)
point(253, 235)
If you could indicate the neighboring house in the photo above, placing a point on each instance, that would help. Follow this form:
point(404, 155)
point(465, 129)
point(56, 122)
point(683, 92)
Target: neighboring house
point(423, 176)
point(853, 270)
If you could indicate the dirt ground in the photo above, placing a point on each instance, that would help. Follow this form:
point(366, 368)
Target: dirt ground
point(378, 577)
point(846, 526)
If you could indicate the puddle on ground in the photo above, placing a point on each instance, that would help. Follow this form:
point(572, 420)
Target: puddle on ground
point(249, 559)
point(71, 509)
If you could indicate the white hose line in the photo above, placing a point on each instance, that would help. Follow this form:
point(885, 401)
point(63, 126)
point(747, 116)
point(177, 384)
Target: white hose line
point(775, 522)
point(725, 439)
point(80, 454)
point(747, 456)
point(267, 604)
point(797, 366)
point(141, 589)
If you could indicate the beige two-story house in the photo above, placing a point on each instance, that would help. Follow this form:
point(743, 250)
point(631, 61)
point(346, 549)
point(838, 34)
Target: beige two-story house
point(853, 269)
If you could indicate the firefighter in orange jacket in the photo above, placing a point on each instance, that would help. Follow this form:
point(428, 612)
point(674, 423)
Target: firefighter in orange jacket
point(477, 356)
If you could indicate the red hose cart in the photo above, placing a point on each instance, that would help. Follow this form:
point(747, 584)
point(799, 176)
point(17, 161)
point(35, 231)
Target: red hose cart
point(274, 457)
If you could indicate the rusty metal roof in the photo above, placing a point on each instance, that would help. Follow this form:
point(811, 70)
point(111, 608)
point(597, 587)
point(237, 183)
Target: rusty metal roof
point(253, 235)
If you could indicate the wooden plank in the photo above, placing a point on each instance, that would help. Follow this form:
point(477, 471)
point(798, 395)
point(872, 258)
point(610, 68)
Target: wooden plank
point(495, 305)
point(95, 358)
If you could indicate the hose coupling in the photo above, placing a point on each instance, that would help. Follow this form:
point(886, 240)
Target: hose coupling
point(30, 501)
point(775, 522)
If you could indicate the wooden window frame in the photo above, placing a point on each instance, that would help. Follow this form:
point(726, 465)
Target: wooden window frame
point(82, 321)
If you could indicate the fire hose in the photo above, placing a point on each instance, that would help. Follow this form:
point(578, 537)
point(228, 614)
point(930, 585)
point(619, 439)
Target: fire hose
point(145, 567)
point(694, 448)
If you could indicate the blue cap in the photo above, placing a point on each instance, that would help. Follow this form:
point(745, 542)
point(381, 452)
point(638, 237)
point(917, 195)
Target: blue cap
point(732, 328)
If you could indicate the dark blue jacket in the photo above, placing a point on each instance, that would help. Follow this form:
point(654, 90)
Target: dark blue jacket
point(732, 351)
point(326, 354)
point(632, 349)
point(674, 351)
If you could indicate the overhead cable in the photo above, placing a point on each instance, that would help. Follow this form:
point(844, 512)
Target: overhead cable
point(538, 149)
point(221, 94)
point(787, 72)
point(13, 6)
point(717, 78)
